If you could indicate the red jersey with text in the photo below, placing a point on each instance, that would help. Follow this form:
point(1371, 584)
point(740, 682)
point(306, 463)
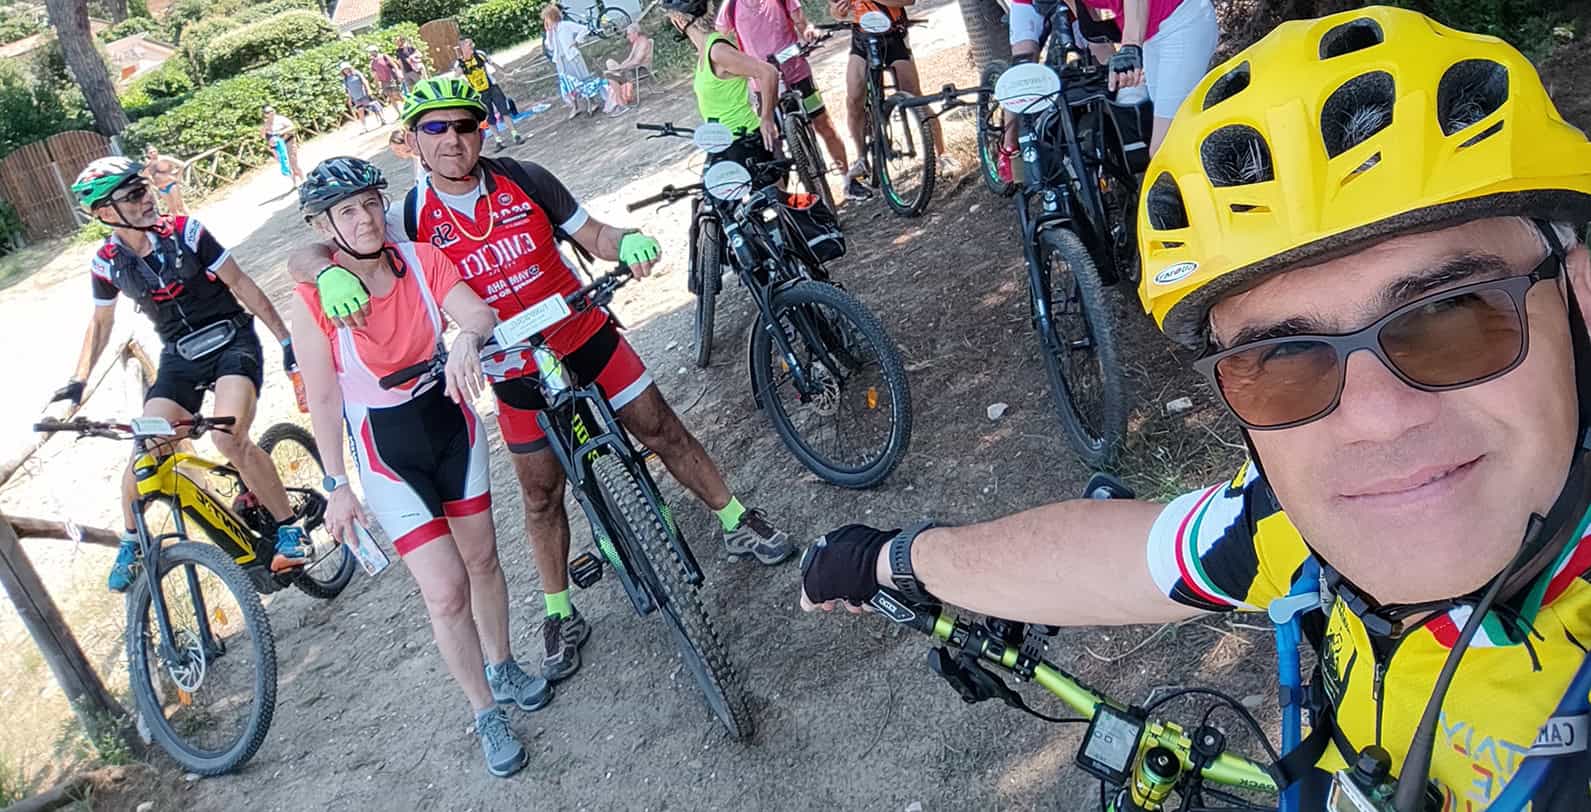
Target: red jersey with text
point(501, 237)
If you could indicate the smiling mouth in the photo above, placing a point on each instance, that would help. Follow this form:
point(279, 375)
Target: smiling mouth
point(1410, 485)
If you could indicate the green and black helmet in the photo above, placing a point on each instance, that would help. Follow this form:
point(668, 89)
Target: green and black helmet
point(101, 177)
point(335, 180)
point(439, 93)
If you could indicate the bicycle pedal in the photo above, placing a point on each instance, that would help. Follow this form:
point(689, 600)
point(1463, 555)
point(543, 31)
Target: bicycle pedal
point(585, 569)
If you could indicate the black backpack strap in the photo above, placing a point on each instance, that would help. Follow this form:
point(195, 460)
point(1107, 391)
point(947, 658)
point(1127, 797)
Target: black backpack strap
point(411, 213)
point(521, 178)
point(1300, 761)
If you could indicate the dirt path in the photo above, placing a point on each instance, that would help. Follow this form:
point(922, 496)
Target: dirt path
point(848, 716)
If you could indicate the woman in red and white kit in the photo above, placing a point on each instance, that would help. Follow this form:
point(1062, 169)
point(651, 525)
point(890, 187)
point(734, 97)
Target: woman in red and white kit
point(420, 448)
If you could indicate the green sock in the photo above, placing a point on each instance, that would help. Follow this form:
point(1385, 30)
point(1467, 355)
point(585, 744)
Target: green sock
point(558, 605)
point(730, 515)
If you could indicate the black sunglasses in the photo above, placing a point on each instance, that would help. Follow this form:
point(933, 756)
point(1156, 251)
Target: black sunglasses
point(462, 126)
point(1448, 340)
point(130, 193)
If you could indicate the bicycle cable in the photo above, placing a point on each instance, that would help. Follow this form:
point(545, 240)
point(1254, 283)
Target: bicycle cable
point(1248, 718)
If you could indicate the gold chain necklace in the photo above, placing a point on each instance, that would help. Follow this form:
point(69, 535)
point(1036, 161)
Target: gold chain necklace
point(491, 222)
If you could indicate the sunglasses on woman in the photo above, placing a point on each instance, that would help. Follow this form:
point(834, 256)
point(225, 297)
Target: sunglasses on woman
point(462, 126)
point(1447, 340)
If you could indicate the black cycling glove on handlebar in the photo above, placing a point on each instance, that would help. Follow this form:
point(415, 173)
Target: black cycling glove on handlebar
point(72, 391)
point(1128, 59)
point(843, 564)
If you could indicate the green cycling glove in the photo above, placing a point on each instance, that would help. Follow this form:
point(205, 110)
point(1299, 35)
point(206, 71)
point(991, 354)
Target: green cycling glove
point(635, 248)
point(341, 292)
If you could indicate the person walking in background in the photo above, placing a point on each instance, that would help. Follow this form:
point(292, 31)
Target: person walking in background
point(473, 65)
point(360, 102)
point(575, 82)
point(281, 135)
point(640, 56)
point(387, 74)
point(400, 147)
point(410, 62)
point(165, 174)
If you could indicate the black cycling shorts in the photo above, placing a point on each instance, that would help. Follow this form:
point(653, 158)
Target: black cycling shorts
point(894, 47)
point(749, 151)
point(184, 381)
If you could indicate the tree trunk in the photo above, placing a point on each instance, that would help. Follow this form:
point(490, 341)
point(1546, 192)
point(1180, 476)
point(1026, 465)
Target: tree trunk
point(70, 19)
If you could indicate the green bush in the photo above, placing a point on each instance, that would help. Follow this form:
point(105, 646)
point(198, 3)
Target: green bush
point(497, 24)
point(184, 13)
point(197, 36)
point(159, 90)
point(21, 21)
point(129, 27)
point(1526, 24)
point(304, 87)
point(264, 42)
point(419, 11)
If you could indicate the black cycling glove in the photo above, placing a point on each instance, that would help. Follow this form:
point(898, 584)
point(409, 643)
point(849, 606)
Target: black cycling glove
point(1127, 59)
point(289, 360)
point(72, 391)
point(843, 564)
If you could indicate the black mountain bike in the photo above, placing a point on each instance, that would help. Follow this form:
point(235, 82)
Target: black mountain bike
point(900, 139)
point(1076, 203)
point(822, 366)
point(601, 20)
point(201, 658)
point(796, 126)
point(632, 528)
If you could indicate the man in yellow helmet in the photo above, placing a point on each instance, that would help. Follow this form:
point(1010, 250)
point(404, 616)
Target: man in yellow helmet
point(1368, 181)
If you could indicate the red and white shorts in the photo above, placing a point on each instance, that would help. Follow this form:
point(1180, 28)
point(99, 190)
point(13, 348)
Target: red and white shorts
point(606, 359)
point(420, 463)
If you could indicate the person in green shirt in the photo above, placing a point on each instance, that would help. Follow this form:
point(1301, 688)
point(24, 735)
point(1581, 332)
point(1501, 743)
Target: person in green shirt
point(720, 83)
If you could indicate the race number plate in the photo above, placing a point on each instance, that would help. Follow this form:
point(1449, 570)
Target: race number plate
point(1027, 89)
point(712, 138)
point(875, 22)
point(786, 54)
point(727, 180)
point(152, 427)
point(532, 320)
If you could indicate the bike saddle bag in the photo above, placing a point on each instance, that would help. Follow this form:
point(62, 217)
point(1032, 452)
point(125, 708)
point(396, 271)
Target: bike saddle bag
point(1134, 124)
point(816, 225)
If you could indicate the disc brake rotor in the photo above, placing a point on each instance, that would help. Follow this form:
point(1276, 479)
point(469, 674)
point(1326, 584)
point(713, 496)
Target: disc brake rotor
point(187, 667)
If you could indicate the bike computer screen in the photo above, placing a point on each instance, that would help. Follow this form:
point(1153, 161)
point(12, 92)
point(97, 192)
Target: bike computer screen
point(1109, 745)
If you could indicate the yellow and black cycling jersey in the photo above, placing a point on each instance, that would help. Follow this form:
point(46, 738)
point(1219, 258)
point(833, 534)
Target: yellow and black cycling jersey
point(474, 70)
point(1232, 547)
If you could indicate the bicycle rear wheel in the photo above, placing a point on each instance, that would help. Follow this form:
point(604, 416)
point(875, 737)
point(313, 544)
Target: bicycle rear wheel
point(904, 154)
point(292, 448)
point(1081, 357)
point(807, 159)
point(853, 423)
point(709, 278)
point(681, 603)
point(209, 703)
point(613, 23)
point(991, 133)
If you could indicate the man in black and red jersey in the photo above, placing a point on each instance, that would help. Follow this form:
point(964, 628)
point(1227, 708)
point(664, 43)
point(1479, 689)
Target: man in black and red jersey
point(200, 301)
point(499, 220)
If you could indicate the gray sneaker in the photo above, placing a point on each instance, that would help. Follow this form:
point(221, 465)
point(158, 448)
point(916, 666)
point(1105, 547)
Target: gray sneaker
point(756, 538)
point(504, 754)
point(563, 637)
point(512, 686)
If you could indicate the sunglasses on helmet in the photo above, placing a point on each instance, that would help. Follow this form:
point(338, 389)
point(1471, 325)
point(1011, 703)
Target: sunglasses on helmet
point(1448, 340)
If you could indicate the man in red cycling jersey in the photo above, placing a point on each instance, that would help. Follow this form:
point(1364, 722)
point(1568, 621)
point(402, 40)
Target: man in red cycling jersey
point(498, 220)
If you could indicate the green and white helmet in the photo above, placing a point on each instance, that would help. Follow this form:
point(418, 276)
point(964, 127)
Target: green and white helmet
point(103, 176)
point(440, 93)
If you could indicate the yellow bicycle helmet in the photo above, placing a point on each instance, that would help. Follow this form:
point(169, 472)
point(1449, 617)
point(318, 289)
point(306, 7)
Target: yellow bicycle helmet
point(1332, 133)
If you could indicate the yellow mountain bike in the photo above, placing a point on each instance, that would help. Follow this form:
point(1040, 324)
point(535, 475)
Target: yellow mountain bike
point(200, 655)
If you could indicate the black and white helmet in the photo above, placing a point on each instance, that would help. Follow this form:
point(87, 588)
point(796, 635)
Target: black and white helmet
point(335, 180)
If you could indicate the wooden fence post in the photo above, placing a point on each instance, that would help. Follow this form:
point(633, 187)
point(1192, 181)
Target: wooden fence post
point(99, 712)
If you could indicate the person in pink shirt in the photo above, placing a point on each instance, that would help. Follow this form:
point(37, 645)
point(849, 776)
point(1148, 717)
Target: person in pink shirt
point(765, 27)
point(388, 75)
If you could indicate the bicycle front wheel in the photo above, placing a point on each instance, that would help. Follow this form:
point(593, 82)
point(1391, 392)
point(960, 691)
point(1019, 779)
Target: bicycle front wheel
point(709, 278)
point(292, 448)
point(904, 152)
point(680, 602)
point(209, 699)
point(992, 125)
point(1081, 355)
point(807, 159)
point(613, 23)
point(847, 415)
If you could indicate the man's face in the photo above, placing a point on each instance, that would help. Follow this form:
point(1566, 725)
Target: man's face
point(1418, 495)
point(467, 46)
point(452, 154)
point(130, 205)
point(150, 153)
point(360, 222)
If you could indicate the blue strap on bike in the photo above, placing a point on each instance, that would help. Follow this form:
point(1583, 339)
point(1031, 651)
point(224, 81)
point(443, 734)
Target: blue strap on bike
point(1284, 613)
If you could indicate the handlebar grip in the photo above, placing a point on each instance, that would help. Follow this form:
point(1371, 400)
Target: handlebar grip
point(656, 128)
point(405, 375)
point(893, 605)
point(51, 425)
point(221, 421)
